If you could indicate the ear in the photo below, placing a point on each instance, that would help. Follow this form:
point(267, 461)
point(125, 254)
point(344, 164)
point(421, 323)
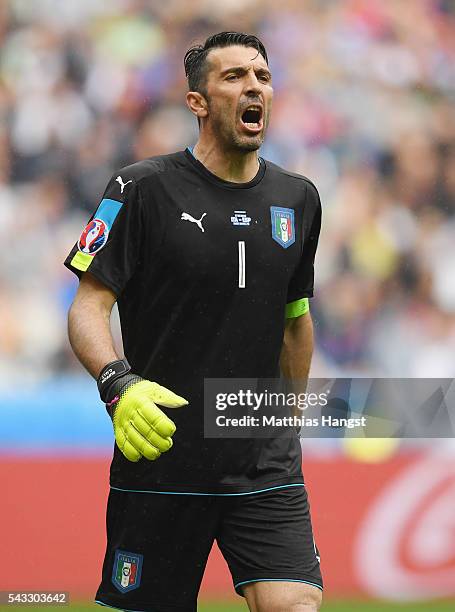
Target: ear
point(197, 104)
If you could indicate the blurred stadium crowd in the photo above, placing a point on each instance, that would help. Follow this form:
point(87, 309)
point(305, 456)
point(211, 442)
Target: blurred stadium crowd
point(364, 106)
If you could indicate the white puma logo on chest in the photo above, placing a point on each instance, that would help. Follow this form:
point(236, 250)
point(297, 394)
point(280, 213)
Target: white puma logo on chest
point(187, 217)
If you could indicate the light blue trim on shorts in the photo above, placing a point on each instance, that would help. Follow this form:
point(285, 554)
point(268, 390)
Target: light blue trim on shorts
point(298, 484)
point(277, 580)
point(101, 603)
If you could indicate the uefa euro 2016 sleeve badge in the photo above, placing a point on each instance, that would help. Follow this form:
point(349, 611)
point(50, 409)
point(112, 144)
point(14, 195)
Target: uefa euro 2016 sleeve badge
point(95, 234)
point(283, 226)
point(126, 573)
point(94, 237)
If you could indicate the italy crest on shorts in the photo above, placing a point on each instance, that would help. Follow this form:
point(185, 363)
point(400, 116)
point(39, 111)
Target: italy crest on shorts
point(283, 226)
point(126, 574)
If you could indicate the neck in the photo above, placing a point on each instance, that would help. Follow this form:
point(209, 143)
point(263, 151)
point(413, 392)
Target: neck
point(234, 166)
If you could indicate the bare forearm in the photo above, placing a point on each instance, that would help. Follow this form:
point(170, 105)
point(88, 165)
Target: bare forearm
point(296, 354)
point(89, 330)
point(297, 349)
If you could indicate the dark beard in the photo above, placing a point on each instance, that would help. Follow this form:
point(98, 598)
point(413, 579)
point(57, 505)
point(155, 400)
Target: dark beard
point(252, 144)
point(238, 143)
point(232, 140)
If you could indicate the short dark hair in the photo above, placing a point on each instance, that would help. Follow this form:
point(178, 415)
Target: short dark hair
point(195, 58)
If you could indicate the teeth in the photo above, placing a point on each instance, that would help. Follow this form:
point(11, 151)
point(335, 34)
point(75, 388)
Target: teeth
point(251, 125)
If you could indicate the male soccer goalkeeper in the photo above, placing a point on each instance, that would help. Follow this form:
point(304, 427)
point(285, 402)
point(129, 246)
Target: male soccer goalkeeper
point(209, 254)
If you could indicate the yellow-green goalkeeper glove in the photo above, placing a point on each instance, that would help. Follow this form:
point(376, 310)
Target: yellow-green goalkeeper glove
point(141, 428)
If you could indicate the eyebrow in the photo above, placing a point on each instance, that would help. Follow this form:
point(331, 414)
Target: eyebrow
point(240, 69)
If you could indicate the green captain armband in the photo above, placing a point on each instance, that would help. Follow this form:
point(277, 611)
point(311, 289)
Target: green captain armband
point(297, 308)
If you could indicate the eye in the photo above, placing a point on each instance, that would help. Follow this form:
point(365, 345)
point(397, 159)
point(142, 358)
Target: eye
point(232, 77)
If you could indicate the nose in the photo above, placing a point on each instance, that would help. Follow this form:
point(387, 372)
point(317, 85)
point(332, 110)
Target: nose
point(252, 85)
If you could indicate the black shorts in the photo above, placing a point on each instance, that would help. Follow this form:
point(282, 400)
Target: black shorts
point(158, 545)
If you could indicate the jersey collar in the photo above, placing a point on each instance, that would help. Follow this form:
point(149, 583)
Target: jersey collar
point(221, 182)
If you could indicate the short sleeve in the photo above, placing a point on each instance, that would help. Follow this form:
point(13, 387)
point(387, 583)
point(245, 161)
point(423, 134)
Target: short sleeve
point(109, 245)
point(302, 283)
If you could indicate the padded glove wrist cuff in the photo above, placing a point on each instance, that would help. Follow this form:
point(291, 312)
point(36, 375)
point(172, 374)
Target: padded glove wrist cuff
point(109, 375)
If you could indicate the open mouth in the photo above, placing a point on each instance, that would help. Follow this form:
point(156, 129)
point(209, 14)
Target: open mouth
point(252, 118)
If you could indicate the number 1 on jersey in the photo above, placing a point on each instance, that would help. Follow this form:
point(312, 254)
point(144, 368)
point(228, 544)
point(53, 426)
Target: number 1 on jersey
point(241, 264)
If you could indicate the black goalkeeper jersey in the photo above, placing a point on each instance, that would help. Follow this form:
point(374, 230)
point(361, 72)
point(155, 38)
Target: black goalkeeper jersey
point(203, 269)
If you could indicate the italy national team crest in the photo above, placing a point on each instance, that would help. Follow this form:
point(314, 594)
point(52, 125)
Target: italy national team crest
point(93, 237)
point(126, 574)
point(283, 227)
